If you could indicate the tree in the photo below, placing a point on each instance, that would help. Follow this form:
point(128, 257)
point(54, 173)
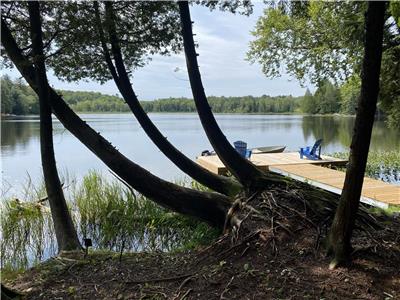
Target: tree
point(209, 207)
point(342, 227)
point(308, 104)
point(323, 40)
point(327, 98)
point(6, 103)
point(121, 78)
point(134, 30)
point(349, 94)
point(67, 238)
point(245, 171)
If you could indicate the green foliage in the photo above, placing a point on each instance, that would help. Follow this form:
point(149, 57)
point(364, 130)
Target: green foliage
point(350, 92)
point(70, 29)
point(326, 100)
point(394, 114)
point(324, 40)
point(17, 98)
point(97, 102)
point(390, 88)
point(105, 210)
point(71, 33)
point(394, 7)
point(308, 104)
point(245, 104)
point(319, 40)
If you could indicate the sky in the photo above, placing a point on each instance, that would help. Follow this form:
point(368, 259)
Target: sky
point(223, 40)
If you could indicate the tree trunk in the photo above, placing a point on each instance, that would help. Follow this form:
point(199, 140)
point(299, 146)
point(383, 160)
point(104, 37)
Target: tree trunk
point(245, 171)
point(67, 238)
point(218, 183)
point(210, 207)
point(339, 240)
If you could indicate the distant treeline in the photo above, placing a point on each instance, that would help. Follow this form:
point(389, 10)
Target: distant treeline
point(19, 99)
point(245, 104)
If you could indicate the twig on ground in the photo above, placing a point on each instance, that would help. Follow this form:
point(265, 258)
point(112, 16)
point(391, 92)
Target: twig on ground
point(158, 279)
point(226, 289)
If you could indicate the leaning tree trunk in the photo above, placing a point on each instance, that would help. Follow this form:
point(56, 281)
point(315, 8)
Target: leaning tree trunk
point(342, 227)
point(218, 183)
point(209, 207)
point(67, 238)
point(245, 171)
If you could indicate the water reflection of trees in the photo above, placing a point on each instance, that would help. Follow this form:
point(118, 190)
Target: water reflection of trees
point(335, 129)
point(257, 122)
point(326, 128)
point(17, 134)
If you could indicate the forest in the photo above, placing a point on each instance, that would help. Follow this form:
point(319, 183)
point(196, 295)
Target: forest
point(19, 99)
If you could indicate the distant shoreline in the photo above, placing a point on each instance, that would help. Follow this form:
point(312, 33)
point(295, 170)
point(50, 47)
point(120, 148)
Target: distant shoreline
point(18, 117)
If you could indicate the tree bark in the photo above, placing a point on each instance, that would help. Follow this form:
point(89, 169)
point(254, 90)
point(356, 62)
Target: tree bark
point(339, 239)
point(209, 207)
point(217, 183)
point(67, 238)
point(242, 169)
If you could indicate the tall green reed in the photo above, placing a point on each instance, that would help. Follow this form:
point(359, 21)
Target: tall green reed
point(103, 209)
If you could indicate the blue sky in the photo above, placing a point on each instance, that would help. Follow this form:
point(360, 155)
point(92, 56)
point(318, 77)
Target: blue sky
point(223, 41)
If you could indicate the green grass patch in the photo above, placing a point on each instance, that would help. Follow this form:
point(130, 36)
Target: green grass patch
point(115, 217)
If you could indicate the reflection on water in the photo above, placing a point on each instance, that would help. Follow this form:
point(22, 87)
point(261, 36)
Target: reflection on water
point(20, 153)
point(338, 130)
point(17, 134)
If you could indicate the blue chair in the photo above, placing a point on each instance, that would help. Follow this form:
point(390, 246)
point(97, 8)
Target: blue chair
point(314, 153)
point(241, 148)
point(248, 153)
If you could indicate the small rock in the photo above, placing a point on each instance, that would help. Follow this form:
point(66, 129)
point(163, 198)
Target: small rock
point(346, 280)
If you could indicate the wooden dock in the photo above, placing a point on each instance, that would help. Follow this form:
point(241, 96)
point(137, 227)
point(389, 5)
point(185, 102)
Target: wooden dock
point(265, 160)
point(374, 192)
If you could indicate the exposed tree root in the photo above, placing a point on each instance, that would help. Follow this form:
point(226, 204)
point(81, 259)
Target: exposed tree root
point(282, 211)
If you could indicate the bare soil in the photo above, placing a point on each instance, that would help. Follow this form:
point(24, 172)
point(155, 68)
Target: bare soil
point(277, 253)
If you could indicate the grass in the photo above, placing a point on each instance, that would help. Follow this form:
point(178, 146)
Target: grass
point(104, 210)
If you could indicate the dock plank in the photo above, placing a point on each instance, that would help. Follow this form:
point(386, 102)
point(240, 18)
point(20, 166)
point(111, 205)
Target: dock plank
point(264, 160)
point(373, 190)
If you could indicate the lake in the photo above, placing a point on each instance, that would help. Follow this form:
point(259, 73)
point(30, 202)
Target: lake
point(20, 151)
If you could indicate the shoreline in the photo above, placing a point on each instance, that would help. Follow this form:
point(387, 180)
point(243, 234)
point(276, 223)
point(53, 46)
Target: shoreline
point(17, 117)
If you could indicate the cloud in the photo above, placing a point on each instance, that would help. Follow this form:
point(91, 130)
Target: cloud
point(223, 42)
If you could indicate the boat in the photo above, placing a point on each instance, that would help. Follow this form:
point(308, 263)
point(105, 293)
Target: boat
point(268, 149)
point(258, 150)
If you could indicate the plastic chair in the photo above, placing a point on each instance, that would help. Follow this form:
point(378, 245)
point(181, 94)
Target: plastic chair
point(314, 153)
point(240, 147)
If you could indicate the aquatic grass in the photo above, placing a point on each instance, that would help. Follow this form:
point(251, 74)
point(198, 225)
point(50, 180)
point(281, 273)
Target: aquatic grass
point(383, 165)
point(105, 210)
point(26, 232)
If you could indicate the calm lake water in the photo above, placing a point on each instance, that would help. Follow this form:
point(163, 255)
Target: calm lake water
point(20, 151)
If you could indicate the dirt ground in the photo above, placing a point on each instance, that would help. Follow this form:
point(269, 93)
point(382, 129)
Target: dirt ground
point(282, 259)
